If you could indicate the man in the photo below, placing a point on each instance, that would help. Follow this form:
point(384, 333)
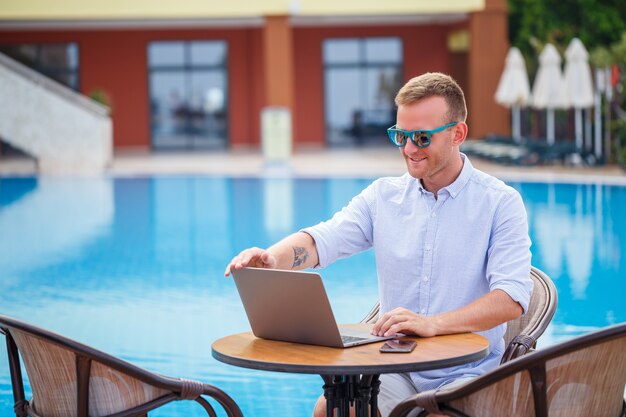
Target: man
point(451, 242)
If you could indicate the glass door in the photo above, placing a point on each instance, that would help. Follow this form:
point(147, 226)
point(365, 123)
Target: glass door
point(188, 91)
point(361, 79)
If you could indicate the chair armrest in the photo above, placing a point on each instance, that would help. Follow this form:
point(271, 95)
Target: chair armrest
point(425, 400)
point(520, 345)
point(194, 390)
point(372, 316)
point(228, 404)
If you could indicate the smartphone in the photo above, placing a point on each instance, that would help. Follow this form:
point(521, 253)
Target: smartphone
point(398, 346)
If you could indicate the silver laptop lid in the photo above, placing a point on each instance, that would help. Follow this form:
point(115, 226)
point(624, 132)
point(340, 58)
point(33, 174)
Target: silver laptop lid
point(291, 306)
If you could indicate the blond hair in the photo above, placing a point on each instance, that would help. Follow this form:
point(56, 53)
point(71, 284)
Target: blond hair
point(433, 84)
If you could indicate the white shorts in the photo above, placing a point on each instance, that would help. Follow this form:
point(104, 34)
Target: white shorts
point(395, 388)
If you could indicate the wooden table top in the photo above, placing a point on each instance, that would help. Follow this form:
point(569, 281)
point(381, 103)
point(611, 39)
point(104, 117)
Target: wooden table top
point(247, 351)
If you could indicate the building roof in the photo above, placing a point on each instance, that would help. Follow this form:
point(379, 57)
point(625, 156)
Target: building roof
point(45, 10)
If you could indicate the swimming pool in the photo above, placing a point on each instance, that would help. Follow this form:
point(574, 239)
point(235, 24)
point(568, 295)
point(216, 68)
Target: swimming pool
point(134, 266)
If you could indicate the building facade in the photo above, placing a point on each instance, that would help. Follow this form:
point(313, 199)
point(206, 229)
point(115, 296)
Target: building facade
point(197, 75)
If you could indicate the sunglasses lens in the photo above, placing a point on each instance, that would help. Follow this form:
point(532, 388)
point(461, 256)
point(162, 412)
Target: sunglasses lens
point(398, 138)
point(422, 139)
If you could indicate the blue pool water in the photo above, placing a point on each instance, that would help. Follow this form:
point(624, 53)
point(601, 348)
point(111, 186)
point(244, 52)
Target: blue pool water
point(134, 266)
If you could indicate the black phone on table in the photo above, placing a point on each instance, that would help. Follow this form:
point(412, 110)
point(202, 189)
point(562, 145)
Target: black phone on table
point(398, 346)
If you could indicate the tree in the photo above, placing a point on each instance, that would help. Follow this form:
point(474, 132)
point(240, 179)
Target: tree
point(599, 24)
point(533, 23)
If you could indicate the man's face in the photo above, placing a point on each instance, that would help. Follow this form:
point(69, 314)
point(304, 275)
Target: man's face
point(432, 164)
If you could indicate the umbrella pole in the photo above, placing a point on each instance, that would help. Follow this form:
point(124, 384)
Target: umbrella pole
point(588, 136)
point(550, 126)
point(579, 129)
point(515, 113)
point(597, 113)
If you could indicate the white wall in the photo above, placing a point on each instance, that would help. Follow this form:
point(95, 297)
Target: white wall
point(66, 132)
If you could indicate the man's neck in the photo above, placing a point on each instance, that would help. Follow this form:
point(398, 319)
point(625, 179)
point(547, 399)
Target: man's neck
point(447, 178)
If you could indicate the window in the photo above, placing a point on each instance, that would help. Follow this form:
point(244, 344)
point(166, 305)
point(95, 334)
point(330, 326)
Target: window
point(58, 61)
point(361, 79)
point(188, 91)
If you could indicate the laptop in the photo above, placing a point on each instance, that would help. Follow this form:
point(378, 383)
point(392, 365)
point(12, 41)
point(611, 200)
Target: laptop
point(292, 306)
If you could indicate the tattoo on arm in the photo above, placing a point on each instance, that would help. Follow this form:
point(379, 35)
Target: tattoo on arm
point(300, 255)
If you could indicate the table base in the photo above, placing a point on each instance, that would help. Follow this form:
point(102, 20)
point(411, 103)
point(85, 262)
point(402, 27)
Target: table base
point(343, 391)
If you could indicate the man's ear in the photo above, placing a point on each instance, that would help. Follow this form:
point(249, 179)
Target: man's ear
point(460, 133)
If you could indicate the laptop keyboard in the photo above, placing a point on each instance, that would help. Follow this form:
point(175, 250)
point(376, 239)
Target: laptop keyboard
point(350, 339)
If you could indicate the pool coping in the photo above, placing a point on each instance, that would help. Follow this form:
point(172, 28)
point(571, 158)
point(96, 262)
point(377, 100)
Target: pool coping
point(315, 163)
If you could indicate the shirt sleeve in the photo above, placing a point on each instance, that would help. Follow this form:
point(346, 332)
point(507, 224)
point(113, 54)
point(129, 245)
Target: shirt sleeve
point(349, 231)
point(509, 256)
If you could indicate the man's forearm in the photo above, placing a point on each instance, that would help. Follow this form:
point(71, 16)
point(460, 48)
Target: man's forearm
point(296, 251)
point(484, 313)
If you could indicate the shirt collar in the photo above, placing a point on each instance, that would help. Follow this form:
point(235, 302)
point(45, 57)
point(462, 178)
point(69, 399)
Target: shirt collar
point(420, 186)
point(466, 173)
point(455, 188)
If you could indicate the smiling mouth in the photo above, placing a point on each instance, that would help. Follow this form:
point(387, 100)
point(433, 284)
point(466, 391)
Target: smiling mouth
point(417, 159)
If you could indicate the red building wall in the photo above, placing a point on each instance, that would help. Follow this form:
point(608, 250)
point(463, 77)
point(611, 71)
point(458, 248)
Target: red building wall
point(116, 62)
point(425, 49)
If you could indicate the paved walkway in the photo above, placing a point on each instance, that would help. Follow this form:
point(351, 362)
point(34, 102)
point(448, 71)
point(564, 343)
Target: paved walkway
point(368, 162)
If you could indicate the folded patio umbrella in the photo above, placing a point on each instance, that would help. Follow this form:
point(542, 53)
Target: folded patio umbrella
point(514, 89)
point(549, 87)
point(578, 83)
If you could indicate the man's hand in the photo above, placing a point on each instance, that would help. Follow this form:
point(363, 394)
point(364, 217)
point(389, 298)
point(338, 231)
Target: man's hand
point(253, 257)
point(484, 313)
point(296, 251)
point(401, 320)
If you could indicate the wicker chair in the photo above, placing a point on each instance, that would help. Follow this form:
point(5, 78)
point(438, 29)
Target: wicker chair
point(69, 379)
point(523, 332)
point(584, 376)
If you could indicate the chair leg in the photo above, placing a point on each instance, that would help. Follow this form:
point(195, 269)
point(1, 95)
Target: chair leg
point(538, 380)
point(17, 382)
point(227, 403)
point(83, 371)
point(207, 407)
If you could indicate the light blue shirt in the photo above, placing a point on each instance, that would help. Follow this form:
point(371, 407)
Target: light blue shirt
point(436, 255)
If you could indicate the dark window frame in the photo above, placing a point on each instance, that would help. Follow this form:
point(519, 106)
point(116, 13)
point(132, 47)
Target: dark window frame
point(360, 64)
point(188, 68)
point(48, 70)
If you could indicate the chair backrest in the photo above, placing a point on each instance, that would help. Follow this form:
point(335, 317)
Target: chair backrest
point(372, 316)
point(585, 376)
point(523, 332)
point(69, 379)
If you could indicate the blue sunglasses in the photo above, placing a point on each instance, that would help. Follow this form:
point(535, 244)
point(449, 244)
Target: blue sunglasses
point(420, 138)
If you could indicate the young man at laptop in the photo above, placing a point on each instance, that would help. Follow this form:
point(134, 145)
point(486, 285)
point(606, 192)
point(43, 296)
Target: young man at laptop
point(451, 242)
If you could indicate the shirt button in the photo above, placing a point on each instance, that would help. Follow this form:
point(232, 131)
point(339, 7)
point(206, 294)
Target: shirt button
point(425, 279)
point(433, 215)
point(428, 246)
point(422, 311)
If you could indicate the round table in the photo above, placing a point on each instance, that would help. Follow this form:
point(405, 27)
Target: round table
point(350, 374)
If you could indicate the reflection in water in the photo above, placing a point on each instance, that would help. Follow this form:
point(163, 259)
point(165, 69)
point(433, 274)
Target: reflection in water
point(52, 222)
point(566, 237)
point(579, 250)
point(278, 207)
point(576, 232)
point(135, 267)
